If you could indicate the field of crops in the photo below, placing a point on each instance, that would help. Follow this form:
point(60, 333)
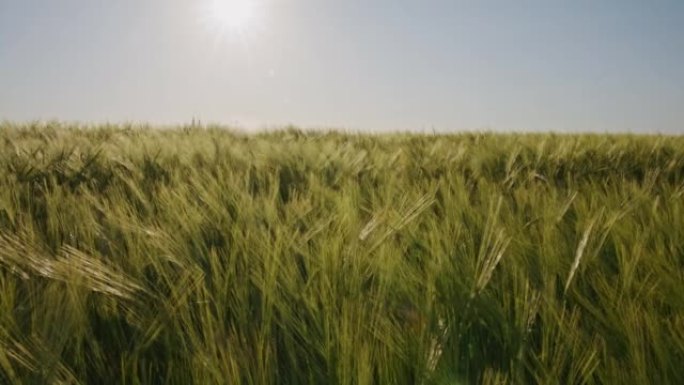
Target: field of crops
point(132, 255)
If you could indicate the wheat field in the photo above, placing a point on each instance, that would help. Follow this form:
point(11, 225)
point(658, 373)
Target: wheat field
point(200, 255)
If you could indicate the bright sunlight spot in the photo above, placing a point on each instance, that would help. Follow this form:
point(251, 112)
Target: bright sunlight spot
point(234, 16)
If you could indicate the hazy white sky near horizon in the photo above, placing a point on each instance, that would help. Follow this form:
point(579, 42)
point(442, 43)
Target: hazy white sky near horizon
point(422, 64)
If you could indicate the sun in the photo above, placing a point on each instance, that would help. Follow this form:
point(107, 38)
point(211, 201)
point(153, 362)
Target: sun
point(235, 16)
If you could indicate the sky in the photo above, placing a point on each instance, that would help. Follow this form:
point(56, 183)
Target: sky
point(427, 65)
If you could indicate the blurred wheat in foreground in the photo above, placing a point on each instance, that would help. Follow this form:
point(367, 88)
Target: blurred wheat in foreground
point(131, 255)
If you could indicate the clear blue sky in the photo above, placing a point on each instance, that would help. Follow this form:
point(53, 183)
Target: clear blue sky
point(373, 64)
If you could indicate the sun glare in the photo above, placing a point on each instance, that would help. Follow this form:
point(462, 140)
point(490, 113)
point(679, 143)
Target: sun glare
point(232, 15)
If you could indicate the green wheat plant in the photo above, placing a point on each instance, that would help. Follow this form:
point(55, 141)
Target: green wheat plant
point(200, 255)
